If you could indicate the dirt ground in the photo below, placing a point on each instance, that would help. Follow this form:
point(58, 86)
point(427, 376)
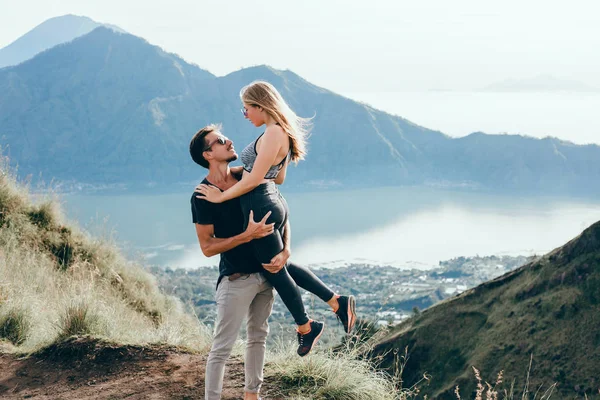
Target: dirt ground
point(88, 369)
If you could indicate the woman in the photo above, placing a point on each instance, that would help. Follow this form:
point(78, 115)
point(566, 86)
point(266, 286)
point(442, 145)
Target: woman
point(265, 163)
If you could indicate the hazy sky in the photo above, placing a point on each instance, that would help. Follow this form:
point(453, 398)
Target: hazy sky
point(352, 45)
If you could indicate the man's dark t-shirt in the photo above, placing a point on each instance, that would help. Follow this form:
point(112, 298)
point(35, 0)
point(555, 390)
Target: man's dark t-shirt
point(228, 221)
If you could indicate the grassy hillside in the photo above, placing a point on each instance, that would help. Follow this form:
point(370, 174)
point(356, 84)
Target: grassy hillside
point(56, 281)
point(548, 309)
point(73, 304)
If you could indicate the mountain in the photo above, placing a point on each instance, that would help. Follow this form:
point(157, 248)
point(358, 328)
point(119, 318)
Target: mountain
point(548, 309)
point(48, 34)
point(540, 83)
point(97, 107)
point(109, 107)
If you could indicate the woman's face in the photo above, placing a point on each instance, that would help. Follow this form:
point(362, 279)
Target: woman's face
point(254, 114)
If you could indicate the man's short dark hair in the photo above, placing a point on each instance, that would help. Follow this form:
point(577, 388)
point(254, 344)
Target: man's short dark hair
point(198, 144)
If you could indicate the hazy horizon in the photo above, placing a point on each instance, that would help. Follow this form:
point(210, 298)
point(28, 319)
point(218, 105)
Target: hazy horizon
point(384, 56)
point(352, 46)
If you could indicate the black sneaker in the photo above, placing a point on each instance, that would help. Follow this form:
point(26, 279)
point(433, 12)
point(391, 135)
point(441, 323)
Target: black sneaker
point(307, 341)
point(346, 312)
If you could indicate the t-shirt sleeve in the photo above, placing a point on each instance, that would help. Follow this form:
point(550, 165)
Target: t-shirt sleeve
point(202, 211)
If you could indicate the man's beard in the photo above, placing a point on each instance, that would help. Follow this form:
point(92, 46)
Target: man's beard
point(232, 158)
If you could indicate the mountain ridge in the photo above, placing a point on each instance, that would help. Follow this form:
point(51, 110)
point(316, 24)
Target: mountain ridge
point(52, 32)
point(110, 108)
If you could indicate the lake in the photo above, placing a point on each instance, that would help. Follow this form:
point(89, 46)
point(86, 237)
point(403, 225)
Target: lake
point(403, 227)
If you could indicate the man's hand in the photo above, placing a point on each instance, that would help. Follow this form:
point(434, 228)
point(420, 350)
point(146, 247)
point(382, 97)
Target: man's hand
point(278, 261)
point(257, 230)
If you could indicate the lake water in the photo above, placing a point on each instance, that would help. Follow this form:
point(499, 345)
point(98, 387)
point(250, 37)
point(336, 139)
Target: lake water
point(403, 227)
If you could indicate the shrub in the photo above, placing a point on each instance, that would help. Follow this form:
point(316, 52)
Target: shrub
point(76, 321)
point(14, 326)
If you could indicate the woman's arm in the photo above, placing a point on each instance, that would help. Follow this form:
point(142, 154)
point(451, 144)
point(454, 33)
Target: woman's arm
point(269, 148)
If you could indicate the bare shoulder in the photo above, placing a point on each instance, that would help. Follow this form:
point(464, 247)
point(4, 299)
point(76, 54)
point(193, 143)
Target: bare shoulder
point(275, 131)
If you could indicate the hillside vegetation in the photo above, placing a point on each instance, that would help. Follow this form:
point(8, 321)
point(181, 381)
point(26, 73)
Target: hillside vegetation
point(57, 281)
point(548, 309)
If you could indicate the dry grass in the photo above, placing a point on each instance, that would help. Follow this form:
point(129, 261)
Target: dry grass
point(57, 281)
point(490, 392)
point(14, 326)
point(327, 375)
point(339, 373)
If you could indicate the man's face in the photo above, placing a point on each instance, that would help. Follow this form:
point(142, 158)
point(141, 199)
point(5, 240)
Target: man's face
point(221, 149)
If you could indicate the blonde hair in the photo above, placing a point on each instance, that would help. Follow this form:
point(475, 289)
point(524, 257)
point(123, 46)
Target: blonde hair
point(264, 95)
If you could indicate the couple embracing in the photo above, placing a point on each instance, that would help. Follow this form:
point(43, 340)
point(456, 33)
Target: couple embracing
point(240, 214)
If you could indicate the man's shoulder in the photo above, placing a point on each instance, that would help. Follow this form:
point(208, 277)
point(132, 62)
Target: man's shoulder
point(201, 207)
point(194, 194)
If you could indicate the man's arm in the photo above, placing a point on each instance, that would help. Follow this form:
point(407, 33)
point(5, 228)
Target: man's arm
point(212, 245)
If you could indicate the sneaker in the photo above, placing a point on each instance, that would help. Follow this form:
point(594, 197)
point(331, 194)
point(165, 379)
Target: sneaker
point(307, 341)
point(346, 312)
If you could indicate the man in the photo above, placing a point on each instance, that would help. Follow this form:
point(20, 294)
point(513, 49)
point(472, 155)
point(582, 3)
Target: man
point(219, 228)
point(241, 288)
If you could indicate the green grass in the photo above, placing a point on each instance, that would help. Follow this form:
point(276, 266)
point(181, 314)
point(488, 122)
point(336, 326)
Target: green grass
point(548, 309)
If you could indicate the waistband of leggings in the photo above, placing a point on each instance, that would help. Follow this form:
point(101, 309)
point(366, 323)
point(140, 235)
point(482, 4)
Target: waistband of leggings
point(268, 187)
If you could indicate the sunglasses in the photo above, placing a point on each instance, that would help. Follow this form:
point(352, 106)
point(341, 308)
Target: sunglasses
point(244, 111)
point(221, 140)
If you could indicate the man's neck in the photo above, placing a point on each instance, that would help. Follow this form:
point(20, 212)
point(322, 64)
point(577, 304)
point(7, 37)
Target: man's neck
point(220, 176)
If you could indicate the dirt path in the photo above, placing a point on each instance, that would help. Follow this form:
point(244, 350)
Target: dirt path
point(89, 369)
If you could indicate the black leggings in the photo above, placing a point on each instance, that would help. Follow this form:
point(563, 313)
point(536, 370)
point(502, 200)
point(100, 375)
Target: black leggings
point(262, 199)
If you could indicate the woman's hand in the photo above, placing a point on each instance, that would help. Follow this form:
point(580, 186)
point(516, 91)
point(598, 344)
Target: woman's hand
point(210, 193)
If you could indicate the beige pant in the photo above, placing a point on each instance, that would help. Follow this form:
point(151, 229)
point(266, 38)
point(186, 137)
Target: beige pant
point(249, 295)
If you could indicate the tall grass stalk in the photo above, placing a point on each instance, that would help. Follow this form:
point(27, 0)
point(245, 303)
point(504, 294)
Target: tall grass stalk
point(509, 394)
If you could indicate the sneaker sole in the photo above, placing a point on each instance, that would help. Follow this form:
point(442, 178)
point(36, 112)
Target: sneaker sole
point(315, 341)
point(351, 313)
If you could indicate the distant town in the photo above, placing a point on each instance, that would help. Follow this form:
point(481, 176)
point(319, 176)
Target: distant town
point(385, 295)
